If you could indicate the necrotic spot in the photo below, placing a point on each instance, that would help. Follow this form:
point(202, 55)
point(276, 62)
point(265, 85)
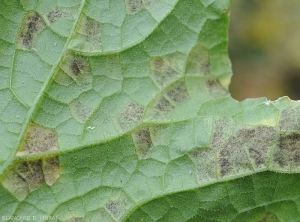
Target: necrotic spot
point(142, 142)
point(37, 140)
point(131, 116)
point(32, 25)
point(177, 93)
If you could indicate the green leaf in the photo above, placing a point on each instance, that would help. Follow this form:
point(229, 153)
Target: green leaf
point(118, 110)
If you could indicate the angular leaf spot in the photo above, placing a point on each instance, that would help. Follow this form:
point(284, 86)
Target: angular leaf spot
point(31, 26)
point(80, 111)
point(51, 170)
point(27, 176)
point(198, 62)
point(116, 208)
point(258, 141)
point(215, 88)
point(32, 172)
point(223, 129)
point(233, 159)
point(133, 6)
point(131, 116)
point(142, 142)
point(15, 184)
point(161, 72)
point(206, 163)
point(38, 140)
point(289, 119)
point(54, 15)
point(75, 65)
point(177, 93)
point(288, 151)
point(269, 217)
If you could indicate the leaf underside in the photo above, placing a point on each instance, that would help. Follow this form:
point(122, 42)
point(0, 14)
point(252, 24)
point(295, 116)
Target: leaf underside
point(118, 110)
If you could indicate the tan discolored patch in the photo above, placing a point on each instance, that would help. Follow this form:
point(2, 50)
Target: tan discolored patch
point(54, 15)
point(287, 152)
point(205, 160)
point(142, 142)
point(27, 176)
point(130, 116)
point(31, 26)
point(80, 111)
point(75, 65)
point(51, 170)
point(198, 62)
point(162, 72)
point(177, 93)
point(38, 139)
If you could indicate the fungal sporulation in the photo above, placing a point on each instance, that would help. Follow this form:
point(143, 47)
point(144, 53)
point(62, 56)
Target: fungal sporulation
point(161, 72)
point(142, 142)
point(288, 150)
point(223, 129)
point(131, 116)
point(27, 176)
point(38, 139)
point(177, 93)
point(31, 26)
point(204, 158)
point(80, 111)
point(289, 119)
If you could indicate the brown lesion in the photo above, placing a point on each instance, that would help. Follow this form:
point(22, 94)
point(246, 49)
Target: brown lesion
point(54, 15)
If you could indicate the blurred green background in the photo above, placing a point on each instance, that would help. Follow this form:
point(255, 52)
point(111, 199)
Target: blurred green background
point(264, 47)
